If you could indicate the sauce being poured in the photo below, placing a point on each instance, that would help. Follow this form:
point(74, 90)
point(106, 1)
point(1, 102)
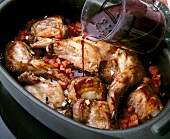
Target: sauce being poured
point(138, 27)
point(82, 44)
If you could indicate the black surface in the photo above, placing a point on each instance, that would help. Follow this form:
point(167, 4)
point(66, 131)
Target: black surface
point(21, 124)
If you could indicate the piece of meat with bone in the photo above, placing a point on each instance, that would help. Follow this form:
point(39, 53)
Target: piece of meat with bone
point(49, 27)
point(145, 102)
point(92, 113)
point(85, 87)
point(48, 91)
point(94, 52)
point(131, 71)
point(19, 58)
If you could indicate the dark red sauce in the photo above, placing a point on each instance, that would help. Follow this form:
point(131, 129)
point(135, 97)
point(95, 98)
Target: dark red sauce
point(82, 44)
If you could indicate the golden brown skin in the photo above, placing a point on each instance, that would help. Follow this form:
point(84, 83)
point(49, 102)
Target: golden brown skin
point(94, 52)
point(92, 113)
point(81, 110)
point(99, 116)
point(130, 72)
point(49, 27)
point(85, 87)
point(19, 58)
point(145, 102)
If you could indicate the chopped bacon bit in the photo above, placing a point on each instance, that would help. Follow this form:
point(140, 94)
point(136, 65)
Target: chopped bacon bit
point(130, 109)
point(155, 87)
point(155, 80)
point(123, 126)
point(133, 120)
point(63, 84)
point(124, 121)
point(156, 77)
point(72, 74)
point(75, 29)
point(60, 64)
point(129, 121)
point(45, 58)
point(56, 65)
point(153, 70)
point(147, 80)
point(62, 67)
point(65, 63)
point(58, 60)
point(52, 61)
point(68, 71)
point(78, 25)
point(103, 86)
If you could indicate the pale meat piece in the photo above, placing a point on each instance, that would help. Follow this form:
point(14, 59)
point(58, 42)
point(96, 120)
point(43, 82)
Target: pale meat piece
point(145, 102)
point(85, 87)
point(49, 27)
point(19, 58)
point(94, 52)
point(131, 71)
point(48, 91)
point(92, 113)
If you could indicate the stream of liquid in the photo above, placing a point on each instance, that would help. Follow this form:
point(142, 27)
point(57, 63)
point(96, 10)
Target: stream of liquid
point(82, 44)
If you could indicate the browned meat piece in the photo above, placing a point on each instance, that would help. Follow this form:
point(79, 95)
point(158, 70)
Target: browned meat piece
point(99, 116)
point(81, 110)
point(48, 91)
point(145, 102)
point(94, 52)
point(18, 58)
point(131, 71)
point(85, 87)
point(108, 70)
point(93, 113)
point(53, 73)
point(49, 27)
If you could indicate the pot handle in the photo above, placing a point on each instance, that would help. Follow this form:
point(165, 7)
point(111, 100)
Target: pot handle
point(162, 126)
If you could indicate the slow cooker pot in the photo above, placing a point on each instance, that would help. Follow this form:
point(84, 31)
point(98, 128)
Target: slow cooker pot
point(14, 15)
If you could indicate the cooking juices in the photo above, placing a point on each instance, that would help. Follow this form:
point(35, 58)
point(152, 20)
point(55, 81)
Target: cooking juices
point(132, 24)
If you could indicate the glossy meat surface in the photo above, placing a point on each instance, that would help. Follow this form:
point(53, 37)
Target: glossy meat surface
point(19, 58)
point(94, 52)
point(49, 27)
point(48, 57)
point(49, 92)
point(145, 102)
point(131, 71)
point(85, 87)
point(93, 113)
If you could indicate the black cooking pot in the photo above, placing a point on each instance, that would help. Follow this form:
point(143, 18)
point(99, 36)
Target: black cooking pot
point(14, 15)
